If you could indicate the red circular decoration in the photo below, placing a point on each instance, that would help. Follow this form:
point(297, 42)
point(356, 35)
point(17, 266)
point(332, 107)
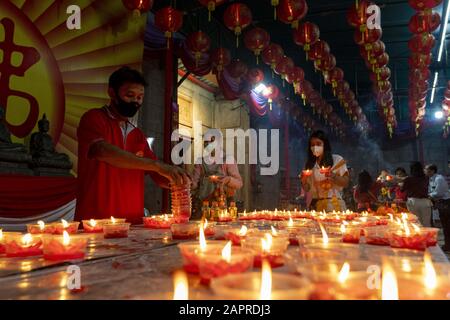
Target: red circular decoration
point(319, 50)
point(368, 36)
point(290, 11)
point(272, 54)
point(284, 66)
point(422, 43)
point(327, 63)
point(418, 60)
point(357, 14)
point(424, 22)
point(237, 68)
point(169, 20)
point(198, 42)
point(255, 76)
point(306, 35)
point(256, 40)
point(140, 6)
point(334, 76)
point(296, 75)
point(420, 5)
point(237, 17)
point(220, 58)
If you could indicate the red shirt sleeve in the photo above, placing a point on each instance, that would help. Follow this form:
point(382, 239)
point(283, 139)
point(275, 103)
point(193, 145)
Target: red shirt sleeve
point(161, 181)
point(92, 128)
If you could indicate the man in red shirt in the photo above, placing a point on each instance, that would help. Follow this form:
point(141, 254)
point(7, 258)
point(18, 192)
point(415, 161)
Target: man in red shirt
point(113, 155)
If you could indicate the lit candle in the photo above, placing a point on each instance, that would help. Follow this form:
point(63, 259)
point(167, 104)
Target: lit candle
point(65, 247)
point(159, 221)
point(70, 227)
point(40, 228)
point(266, 247)
point(181, 286)
point(266, 281)
point(18, 245)
point(116, 230)
point(307, 173)
point(92, 226)
point(389, 286)
point(344, 273)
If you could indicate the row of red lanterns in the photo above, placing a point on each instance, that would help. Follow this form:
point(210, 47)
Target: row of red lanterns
point(446, 111)
point(421, 24)
point(373, 51)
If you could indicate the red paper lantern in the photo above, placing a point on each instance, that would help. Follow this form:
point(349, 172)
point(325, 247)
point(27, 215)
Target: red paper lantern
point(291, 11)
point(333, 77)
point(220, 58)
point(237, 68)
point(296, 77)
point(284, 66)
point(257, 40)
point(424, 22)
point(211, 5)
point(372, 50)
point(255, 76)
point(366, 37)
point(319, 50)
point(381, 74)
point(418, 60)
point(306, 35)
point(357, 14)
point(421, 5)
point(168, 20)
point(237, 17)
point(138, 6)
point(326, 64)
point(198, 42)
point(272, 55)
point(423, 43)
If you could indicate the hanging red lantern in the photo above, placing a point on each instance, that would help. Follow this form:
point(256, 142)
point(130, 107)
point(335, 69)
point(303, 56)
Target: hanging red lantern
point(220, 58)
point(372, 50)
point(326, 64)
point(138, 6)
point(341, 88)
point(271, 93)
point(381, 74)
point(291, 11)
point(424, 22)
point(366, 37)
point(272, 55)
point(418, 60)
point(257, 40)
point(211, 5)
point(357, 14)
point(333, 77)
point(295, 77)
point(383, 86)
point(237, 17)
point(255, 76)
point(319, 50)
point(198, 42)
point(283, 67)
point(168, 20)
point(423, 43)
point(421, 5)
point(419, 74)
point(306, 35)
point(237, 68)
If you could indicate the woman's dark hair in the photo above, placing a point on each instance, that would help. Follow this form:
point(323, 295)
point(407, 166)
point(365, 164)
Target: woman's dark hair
point(364, 181)
point(327, 159)
point(417, 169)
point(125, 75)
point(402, 170)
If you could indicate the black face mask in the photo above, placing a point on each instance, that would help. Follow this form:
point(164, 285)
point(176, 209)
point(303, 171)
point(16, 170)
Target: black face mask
point(127, 109)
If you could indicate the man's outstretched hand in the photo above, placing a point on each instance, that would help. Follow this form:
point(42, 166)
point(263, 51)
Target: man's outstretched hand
point(174, 174)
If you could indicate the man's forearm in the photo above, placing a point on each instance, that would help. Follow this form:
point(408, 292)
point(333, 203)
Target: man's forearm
point(117, 157)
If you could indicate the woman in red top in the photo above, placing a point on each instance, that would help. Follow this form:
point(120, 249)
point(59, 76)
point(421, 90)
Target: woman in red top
point(366, 192)
point(400, 196)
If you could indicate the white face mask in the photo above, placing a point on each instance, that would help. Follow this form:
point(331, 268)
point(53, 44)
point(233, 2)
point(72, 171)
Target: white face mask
point(317, 150)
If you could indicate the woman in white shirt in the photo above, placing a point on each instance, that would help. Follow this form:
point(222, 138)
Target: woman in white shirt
point(327, 174)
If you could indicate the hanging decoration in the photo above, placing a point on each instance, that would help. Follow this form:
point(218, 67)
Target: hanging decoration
point(198, 42)
point(306, 35)
point(220, 58)
point(292, 11)
point(168, 20)
point(256, 40)
point(237, 17)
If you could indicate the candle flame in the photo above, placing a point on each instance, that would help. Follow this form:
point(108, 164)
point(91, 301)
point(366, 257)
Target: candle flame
point(274, 231)
point(415, 227)
point(181, 287)
point(64, 223)
point(266, 242)
point(430, 279)
point(324, 234)
point(66, 238)
point(205, 224)
point(389, 287)
point(26, 239)
point(202, 239)
point(166, 217)
point(405, 226)
point(406, 265)
point(92, 222)
point(113, 220)
point(342, 228)
point(266, 281)
point(1, 234)
point(344, 273)
point(391, 217)
point(41, 224)
point(243, 231)
point(226, 252)
point(291, 222)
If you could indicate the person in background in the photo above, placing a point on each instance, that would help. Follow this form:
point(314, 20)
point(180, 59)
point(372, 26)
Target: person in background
point(326, 188)
point(416, 188)
point(366, 192)
point(208, 179)
point(396, 190)
point(440, 195)
point(348, 192)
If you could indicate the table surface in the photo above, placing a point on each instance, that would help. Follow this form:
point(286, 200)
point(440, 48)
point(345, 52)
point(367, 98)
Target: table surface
point(137, 267)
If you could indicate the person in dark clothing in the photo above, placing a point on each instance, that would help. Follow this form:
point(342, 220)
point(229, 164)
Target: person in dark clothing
point(366, 192)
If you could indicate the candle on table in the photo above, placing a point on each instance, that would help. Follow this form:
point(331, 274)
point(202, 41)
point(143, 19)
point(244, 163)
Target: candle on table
point(116, 229)
point(266, 247)
point(18, 245)
point(70, 227)
point(236, 234)
point(92, 226)
point(159, 221)
point(40, 228)
point(65, 247)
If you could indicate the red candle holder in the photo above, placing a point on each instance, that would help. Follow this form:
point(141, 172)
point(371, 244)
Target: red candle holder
point(116, 230)
point(272, 252)
point(190, 230)
point(224, 217)
point(235, 235)
point(2, 246)
point(307, 173)
point(378, 236)
point(20, 245)
point(63, 248)
point(325, 170)
point(69, 227)
point(40, 228)
point(413, 240)
point(214, 265)
point(92, 226)
point(351, 234)
point(159, 222)
point(190, 252)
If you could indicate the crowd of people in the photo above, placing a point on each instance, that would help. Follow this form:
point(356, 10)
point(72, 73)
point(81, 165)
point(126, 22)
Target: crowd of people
point(327, 186)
